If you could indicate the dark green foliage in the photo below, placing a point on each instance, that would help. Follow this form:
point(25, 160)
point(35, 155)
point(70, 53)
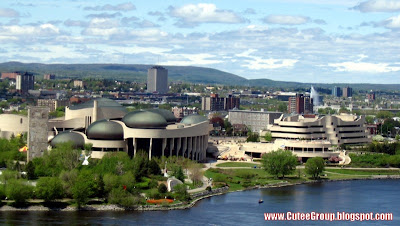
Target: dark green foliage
point(181, 192)
point(279, 163)
point(116, 163)
point(122, 197)
point(87, 185)
point(178, 174)
point(253, 137)
point(140, 165)
point(154, 194)
point(315, 166)
point(162, 188)
point(19, 191)
point(69, 179)
point(375, 160)
point(153, 184)
point(154, 168)
point(208, 188)
point(49, 188)
point(268, 136)
point(385, 147)
point(30, 170)
point(9, 150)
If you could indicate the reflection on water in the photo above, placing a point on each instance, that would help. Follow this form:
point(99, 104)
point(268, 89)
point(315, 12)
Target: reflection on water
point(242, 208)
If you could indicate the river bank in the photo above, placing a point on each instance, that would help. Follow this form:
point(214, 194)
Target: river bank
point(180, 206)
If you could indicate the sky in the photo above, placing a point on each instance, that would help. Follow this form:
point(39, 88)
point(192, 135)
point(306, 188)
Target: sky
point(316, 41)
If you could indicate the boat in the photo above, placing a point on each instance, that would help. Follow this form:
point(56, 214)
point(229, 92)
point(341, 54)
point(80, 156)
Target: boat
point(260, 201)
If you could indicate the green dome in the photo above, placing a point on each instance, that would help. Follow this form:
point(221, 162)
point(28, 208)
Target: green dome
point(193, 119)
point(76, 139)
point(144, 119)
point(165, 113)
point(105, 130)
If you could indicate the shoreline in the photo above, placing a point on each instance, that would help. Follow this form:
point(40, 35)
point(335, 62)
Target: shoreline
point(179, 206)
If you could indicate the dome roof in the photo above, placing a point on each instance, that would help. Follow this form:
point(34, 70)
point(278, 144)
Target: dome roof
point(144, 119)
point(165, 113)
point(76, 139)
point(105, 130)
point(193, 119)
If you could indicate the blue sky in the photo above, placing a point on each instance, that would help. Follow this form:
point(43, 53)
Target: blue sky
point(288, 40)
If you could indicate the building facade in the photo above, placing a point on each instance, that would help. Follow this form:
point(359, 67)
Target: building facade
point(49, 77)
point(347, 92)
point(24, 82)
point(300, 104)
point(336, 91)
point(79, 84)
point(180, 112)
point(255, 120)
point(53, 104)
point(216, 103)
point(157, 80)
point(9, 75)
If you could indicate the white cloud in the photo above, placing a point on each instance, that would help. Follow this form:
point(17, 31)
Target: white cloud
point(190, 59)
point(92, 31)
point(192, 15)
point(286, 19)
point(8, 13)
point(257, 63)
point(120, 7)
point(378, 6)
point(392, 22)
point(363, 67)
point(41, 30)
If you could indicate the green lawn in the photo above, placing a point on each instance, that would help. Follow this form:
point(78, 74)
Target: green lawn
point(364, 172)
point(238, 164)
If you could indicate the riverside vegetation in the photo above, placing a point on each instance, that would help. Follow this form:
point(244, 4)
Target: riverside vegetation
point(115, 179)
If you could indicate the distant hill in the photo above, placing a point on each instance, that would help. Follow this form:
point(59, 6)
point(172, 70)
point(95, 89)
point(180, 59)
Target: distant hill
point(138, 72)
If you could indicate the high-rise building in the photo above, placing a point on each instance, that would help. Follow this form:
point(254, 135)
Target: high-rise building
point(347, 92)
point(157, 80)
point(49, 77)
point(300, 104)
point(370, 96)
point(336, 91)
point(24, 82)
point(216, 103)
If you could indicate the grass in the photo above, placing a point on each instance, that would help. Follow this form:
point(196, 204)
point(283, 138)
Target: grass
point(238, 179)
point(238, 164)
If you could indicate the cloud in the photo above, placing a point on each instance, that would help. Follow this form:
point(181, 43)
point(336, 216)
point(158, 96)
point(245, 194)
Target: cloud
point(286, 19)
point(249, 11)
point(5, 12)
point(40, 30)
point(75, 23)
point(364, 67)
point(378, 6)
point(392, 22)
point(104, 15)
point(258, 63)
point(192, 15)
point(191, 59)
point(120, 7)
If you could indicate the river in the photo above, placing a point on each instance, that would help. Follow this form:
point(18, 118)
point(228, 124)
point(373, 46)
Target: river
point(242, 208)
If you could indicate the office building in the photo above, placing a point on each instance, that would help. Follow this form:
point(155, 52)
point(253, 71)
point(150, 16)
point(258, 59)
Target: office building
point(300, 104)
point(157, 80)
point(370, 96)
point(216, 103)
point(347, 92)
point(255, 120)
point(9, 75)
point(24, 82)
point(336, 91)
point(79, 84)
point(49, 77)
point(53, 104)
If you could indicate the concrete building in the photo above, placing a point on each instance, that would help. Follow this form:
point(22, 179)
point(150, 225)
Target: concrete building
point(157, 80)
point(300, 104)
point(79, 84)
point(347, 92)
point(53, 104)
point(37, 131)
point(216, 103)
point(49, 77)
point(255, 120)
point(180, 112)
point(335, 129)
point(336, 91)
point(9, 75)
point(11, 124)
point(370, 96)
point(24, 82)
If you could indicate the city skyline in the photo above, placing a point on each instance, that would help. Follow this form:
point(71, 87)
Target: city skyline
point(302, 41)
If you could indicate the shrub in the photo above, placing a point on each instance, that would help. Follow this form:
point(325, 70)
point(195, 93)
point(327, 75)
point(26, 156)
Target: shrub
point(181, 192)
point(49, 188)
point(18, 190)
point(154, 194)
point(162, 188)
point(122, 197)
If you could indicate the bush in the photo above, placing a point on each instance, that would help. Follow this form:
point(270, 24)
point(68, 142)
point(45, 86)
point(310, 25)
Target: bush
point(153, 184)
point(19, 190)
point(181, 193)
point(154, 194)
point(49, 188)
point(209, 188)
point(69, 179)
point(162, 188)
point(122, 197)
